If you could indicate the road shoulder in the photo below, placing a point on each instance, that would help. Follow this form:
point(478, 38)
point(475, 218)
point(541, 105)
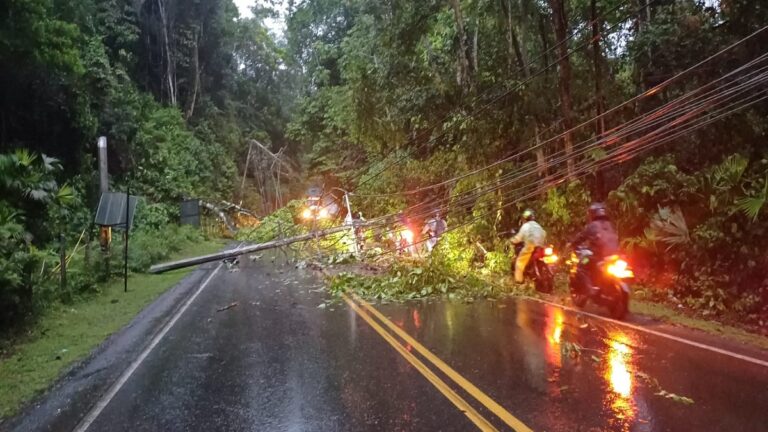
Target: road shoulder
point(72, 394)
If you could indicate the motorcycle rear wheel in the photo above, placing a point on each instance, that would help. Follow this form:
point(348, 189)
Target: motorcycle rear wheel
point(579, 299)
point(620, 307)
point(544, 281)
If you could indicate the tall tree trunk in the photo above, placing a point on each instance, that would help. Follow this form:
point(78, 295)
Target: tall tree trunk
point(514, 50)
point(463, 56)
point(641, 21)
point(543, 32)
point(541, 161)
point(475, 62)
point(196, 77)
point(597, 59)
point(170, 73)
point(560, 23)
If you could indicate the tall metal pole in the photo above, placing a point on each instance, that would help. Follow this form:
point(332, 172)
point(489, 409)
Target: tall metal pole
point(127, 228)
point(351, 223)
point(103, 168)
point(349, 209)
point(245, 172)
point(105, 233)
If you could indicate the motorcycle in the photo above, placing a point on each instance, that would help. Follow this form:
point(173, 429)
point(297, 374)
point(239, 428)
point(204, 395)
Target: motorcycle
point(610, 282)
point(404, 241)
point(540, 268)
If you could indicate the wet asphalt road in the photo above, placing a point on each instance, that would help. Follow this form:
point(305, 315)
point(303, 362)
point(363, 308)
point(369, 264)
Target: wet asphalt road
point(278, 362)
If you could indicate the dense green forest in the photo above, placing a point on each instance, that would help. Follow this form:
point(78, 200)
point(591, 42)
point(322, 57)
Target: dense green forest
point(175, 86)
point(479, 107)
point(566, 102)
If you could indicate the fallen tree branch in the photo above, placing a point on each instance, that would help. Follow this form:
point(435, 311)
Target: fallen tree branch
point(220, 213)
point(229, 306)
point(238, 208)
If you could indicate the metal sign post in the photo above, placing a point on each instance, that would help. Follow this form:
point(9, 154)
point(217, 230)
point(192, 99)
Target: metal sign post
point(127, 230)
point(117, 210)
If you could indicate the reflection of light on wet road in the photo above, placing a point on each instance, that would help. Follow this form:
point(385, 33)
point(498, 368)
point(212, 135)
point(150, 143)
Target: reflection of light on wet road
point(618, 374)
point(416, 319)
point(449, 320)
point(554, 326)
point(621, 380)
point(554, 332)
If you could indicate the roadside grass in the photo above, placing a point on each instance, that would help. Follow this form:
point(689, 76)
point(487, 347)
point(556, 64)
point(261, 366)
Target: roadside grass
point(670, 315)
point(67, 333)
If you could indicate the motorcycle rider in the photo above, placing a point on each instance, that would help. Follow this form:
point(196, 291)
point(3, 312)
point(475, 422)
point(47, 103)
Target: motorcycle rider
point(600, 237)
point(533, 236)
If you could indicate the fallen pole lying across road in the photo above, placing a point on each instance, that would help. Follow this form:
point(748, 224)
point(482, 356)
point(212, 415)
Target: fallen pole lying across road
point(173, 265)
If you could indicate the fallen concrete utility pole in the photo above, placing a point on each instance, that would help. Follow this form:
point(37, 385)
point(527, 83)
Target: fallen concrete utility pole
point(173, 265)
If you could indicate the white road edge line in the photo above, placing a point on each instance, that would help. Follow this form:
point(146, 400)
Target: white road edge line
point(657, 333)
point(104, 401)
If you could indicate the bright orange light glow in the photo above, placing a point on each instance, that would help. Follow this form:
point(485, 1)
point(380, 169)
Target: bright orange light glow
point(549, 251)
point(553, 331)
point(621, 380)
point(416, 319)
point(306, 214)
point(550, 259)
point(323, 213)
point(619, 375)
point(408, 235)
point(557, 330)
point(620, 269)
point(618, 371)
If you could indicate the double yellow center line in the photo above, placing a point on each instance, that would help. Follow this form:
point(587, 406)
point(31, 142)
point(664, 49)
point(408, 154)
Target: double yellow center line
point(362, 308)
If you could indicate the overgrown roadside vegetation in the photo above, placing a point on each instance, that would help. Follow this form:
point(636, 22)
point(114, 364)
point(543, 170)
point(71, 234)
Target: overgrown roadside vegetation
point(177, 90)
point(66, 333)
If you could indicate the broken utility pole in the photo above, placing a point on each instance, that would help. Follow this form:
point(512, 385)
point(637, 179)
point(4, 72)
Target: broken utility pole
point(161, 268)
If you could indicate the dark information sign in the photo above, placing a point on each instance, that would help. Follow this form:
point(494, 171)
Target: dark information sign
point(112, 211)
point(190, 212)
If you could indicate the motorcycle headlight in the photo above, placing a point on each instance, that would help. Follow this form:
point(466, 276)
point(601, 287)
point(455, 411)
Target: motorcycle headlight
point(550, 259)
point(306, 214)
point(323, 213)
point(408, 234)
point(620, 269)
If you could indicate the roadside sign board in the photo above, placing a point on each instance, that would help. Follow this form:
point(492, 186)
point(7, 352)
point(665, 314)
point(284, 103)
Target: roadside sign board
point(190, 212)
point(112, 209)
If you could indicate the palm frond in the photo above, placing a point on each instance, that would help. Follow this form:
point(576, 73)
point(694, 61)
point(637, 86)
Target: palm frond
point(751, 205)
point(24, 157)
point(65, 194)
point(38, 194)
point(669, 226)
point(728, 173)
point(50, 163)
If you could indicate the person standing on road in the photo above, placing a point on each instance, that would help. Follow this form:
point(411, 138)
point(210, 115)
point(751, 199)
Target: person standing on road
point(357, 224)
point(434, 228)
point(532, 235)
